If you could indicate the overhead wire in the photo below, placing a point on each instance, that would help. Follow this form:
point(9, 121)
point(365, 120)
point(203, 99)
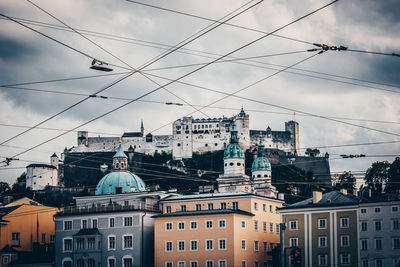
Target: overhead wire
point(185, 75)
point(186, 41)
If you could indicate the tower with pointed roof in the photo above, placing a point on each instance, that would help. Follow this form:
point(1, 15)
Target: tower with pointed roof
point(261, 173)
point(234, 178)
point(142, 128)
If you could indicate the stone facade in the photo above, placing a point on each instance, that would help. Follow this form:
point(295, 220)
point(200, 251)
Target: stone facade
point(191, 135)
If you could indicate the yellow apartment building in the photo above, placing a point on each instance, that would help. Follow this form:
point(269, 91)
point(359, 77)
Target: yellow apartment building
point(216, 229)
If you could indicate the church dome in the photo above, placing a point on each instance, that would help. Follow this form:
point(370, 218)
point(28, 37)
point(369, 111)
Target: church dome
point(261, 163)
point(121, 181)
point(234, 150)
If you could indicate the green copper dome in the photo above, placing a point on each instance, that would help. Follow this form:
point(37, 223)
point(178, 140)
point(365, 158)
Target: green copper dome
point(234, 150)
point(126, 181)
point(261, 163)
point(120, 153)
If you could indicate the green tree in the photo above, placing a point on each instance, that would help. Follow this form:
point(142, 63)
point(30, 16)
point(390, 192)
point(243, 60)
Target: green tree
point(393, 185)
point(376, 176)
point(4, 187)
point(347, 181)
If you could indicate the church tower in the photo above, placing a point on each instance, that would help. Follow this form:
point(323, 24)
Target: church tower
point(120, 160)
point(261, 173)
point(234, 178)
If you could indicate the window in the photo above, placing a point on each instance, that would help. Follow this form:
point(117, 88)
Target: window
point(221, 223)
point(321, 223)
point(256, 245)
point(84, 224)
point(270, 208)
point(52, 238)
point(364, 263)
point(128, 242)
point(264, 207)
point(111, 242)
point(364, 226)
point(193, 245)
point(264, 227)
point(67, 244)
point(344, 240)
point(194, 264)
point(181, 225)
point(255, 206)
point(243, 224)
point(68, 262)
point(198, 207)
point(209, 263)
point(344, 222)
point(80, 263)
point(271, 227)
point(181, 245)
point(90, 263)
point(168, 264)
point(168, 226)
point(67, 225)
point(223, 206)
point(395, 224)
point(396, 242)
point(256, 264)
point(364, 244)
point(235, 205)
point(322, 241)
point(183, 207)
point(209, 244)
point(168, 209)
point(265, 246)
point(80, 243)
point(378, 226)
point(43, 238)
point(94, 223)
point(222, 244)
point(277, 228)
point(181, 264)
point(111, 222)
point(322, 260)
point(128, 262)
point(222, 263)
point(292, 225)
point(377, 210)
point(91, 241)
point(395, 209)
point(293, 241)
point(256, 225)
point(209, 224)
point(128, 221)
point(345, 259)
point(210, 206)
point(378, 263)
point(243, 244)
point(363, 211)
point(168, 246)
point(111, 262)
point(193, 225)
point(378, 244)
point(244, 264)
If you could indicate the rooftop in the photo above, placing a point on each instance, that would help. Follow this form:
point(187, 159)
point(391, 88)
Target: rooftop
point(212, 195)
point(204, 212)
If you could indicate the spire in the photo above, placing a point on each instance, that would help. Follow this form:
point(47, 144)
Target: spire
point(142, 127)
point(242, 113)
point(234, 136)
point(120, 153)
point(261, 150)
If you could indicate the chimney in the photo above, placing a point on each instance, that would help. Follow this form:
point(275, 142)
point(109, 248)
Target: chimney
point(343, 191)
point(316, 196)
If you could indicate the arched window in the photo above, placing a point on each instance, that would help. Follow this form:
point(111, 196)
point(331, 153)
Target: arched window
point(116, 165)
point(80, 263)
point(258, 175)
point(238, 163)
point(231, 164)
point(226, 164)
point(67, 262)
point(127, 261)
point(122, 165)
point(265, 175)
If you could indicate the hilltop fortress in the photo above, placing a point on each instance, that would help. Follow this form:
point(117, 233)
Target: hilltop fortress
point(191, 135)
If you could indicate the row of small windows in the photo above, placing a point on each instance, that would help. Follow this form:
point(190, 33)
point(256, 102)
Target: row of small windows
point(193, 225)
point(232, 163)
point(194, 263)
point(90, 243)
point(344, 259)
point(193, 245)
point(378, 225)
point(93, 223)
point(264, 207)
point(16, 238)
point(127, 261)
point(378, 209)
point(210, 206)
point(378, 242)
point(322, 223)
point(202, 126)
point(267, 227)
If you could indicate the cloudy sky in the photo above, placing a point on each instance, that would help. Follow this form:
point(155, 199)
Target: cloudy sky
point(358, 91)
